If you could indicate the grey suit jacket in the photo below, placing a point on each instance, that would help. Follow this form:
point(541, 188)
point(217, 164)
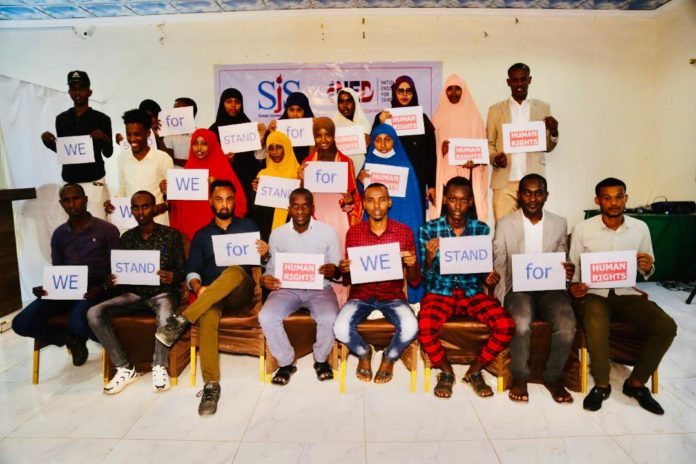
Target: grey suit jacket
point(509, 240)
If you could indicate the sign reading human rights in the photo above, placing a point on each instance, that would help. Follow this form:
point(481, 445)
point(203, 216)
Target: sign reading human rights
point(395, 178)
point(122, 217)
point(376, 263)
point(75, 150)
point(275, 191)
point(407, 120)
point(524, 137)
point(187, 184)
point(299, 131)
point(299, 270)
point(135, 267)
point(461, 151)
point(466, 255)
point(238, 138)
point(65, 282)
point(610, 269)
point(236, 249)
point(538, 271)
point(351, 140)
point(326, 177)
point(176, 121)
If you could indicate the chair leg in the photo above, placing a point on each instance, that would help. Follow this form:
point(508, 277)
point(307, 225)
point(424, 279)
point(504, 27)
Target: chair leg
point(501, 383)
point(175, 381)
point(342, 370)
point(334, 358)
point(105, 366)
point(262, 368)
point(426, 383)
point(35, 366)
point(655, 383)
point(583, 370)
point(194, 361)
point(414, 366)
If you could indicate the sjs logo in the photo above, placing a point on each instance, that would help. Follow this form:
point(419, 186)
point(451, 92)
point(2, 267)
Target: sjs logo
point(272, 92)
point(362, 88)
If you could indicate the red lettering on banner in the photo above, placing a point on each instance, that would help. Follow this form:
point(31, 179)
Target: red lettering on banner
point(347, 142)
point(299, 272)
point(407, 121)
point(525, 138)
point(467, 153)
point(391, 181)
point(609, 272)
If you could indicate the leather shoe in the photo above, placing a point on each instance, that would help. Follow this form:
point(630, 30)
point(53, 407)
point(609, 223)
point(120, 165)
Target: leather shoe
point(593, 400)
point(644, 398)
point(78, 350)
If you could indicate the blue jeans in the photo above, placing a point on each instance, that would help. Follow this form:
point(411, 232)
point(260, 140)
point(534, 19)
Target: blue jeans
point(397, 312)
point(31, 321)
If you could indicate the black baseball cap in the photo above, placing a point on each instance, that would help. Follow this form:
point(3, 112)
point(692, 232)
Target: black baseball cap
point(79, 77)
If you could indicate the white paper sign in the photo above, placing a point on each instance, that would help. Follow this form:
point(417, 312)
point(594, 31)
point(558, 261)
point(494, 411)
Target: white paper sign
point(394, 177)
point(175, 121)
point(407, 120)
point(275, 191)
point(299, 270)
point(151, 142)
point(65, 282)
point(231, 249)
point(350, 140)
point(376, 263)
point(466, 255)
point(238, 138)
point(538, 271)
point(187, 184)
point(299, 131)
point(611, 269)
point(135, 267)
point(75, 150)
point(461, 151)
point(524, 137)
point(326, 177)
point(122, 216)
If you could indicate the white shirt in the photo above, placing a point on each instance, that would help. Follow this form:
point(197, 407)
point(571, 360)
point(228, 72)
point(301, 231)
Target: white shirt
point(518, 161)
point(533, 235)
point(146, 174)
point(181, 144)
point(592, 235)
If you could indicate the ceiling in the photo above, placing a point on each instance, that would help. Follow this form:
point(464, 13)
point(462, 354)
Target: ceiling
point(69, 9)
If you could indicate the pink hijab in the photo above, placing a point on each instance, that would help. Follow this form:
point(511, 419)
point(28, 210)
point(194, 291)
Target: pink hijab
point(460, 120)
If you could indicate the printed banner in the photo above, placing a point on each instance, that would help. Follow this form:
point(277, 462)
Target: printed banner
point(524, 137)
point(65, 282)
point(394, 177)
point(299, 270)
point(275, 191)
point(466, 255)
point(75, 150)
point(135, 267)
point(240, 249)
point(461, 151)
point(376, 263)
point(538, 271)
point(611, 269)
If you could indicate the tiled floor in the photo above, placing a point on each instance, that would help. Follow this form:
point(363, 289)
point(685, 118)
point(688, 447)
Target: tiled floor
point(66, 418)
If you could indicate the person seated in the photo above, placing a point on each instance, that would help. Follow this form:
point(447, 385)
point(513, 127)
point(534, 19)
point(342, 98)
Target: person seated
point(163, 299)
point(218, 289)
point(386, 297)
point(302, 234)
point(613, 231)
point(83, 240)
point(454, 294)
point(531, 229)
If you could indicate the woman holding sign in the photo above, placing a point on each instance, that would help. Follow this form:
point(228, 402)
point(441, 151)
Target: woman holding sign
point(280, 162)
point(458, 116)
point(419, 148)
point(188, 216)
point(296, 107)
point(350, 113)
point(230, 112)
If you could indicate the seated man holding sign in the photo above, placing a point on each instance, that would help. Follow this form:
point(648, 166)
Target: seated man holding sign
point(379, 285)
point(82, 241)
point(606, 292)
point(149, 269)
point(226, 241)
point(459, 288)
point(304, 256)
point(529, 253)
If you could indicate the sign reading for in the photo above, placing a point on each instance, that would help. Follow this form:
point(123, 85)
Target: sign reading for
point(611, 269)
point(538, 271)
point(299, 270)
point(299, 131)
point(187, 184)
point(377, 263)
point(135, 267)
point(326, 177)
point(75, 150)
point(466, 255)
point(239, 249)
point(175, 121)
point(65, 282)
point(524, 137)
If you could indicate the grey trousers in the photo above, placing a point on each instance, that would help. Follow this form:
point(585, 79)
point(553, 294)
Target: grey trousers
point(552, 306)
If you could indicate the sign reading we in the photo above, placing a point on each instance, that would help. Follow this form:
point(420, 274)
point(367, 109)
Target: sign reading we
point(187, 184)
point(65, 282)
point(75, 150)
point(376, 263)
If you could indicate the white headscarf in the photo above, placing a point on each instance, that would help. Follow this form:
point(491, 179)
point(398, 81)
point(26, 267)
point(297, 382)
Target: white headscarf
point(359, 118)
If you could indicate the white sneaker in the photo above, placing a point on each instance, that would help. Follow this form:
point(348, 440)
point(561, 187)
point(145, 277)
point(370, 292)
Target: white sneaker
point(120, 380)
point(160, 379)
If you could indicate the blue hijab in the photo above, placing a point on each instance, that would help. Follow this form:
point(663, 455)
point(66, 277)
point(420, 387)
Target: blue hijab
point(407, 210)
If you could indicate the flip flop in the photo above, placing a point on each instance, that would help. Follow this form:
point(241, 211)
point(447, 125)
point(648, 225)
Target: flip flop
point(282, 375)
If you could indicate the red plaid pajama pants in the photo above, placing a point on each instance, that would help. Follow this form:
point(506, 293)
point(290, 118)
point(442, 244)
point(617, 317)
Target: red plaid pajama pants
point(437, 309)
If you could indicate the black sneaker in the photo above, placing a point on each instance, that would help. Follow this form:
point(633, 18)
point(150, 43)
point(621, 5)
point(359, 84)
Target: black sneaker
point(172, 330)
point(210, 397)
point(644, 398)
point(78, 350)
point(593, 400)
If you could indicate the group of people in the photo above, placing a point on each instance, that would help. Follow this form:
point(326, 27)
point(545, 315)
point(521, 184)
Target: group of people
point(329, 224)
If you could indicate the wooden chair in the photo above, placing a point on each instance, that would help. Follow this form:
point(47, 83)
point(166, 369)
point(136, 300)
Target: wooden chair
point(539, 350)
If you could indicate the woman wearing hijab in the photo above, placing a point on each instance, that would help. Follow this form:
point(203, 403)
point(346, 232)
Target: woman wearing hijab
point(350, 113)
point(296, 107)
point(457, 116)
point(231, 111)
point(188, 216)
point(386, 149)
point(280, 162)
point(420, 148)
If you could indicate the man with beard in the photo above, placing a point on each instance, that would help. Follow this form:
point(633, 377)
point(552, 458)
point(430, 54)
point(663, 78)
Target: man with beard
point(612, 231)
point(217, 289)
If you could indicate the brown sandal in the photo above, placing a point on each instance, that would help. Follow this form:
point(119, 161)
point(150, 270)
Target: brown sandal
point(518, 391)
point(445, 382)
point(558, 392)
point(478, 383)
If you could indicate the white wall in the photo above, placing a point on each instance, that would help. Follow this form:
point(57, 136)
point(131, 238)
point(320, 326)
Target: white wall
point(619, 83)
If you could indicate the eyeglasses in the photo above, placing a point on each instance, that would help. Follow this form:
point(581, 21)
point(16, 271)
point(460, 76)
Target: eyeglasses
point(404, 91)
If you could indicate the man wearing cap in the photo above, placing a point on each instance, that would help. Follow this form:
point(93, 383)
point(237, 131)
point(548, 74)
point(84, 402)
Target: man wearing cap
point(83, 120)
